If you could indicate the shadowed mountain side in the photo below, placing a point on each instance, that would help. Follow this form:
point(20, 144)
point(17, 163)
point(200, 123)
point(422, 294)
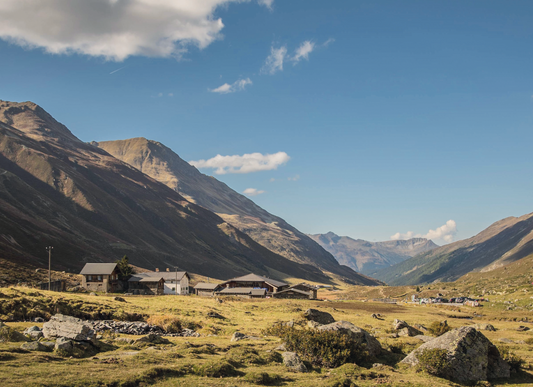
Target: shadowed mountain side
point(505, 241)
point(164, 165)
point(56, 190)
point(369, 257)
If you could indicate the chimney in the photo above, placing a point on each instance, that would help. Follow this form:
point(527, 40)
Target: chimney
point(157, 270)
point(168, 269)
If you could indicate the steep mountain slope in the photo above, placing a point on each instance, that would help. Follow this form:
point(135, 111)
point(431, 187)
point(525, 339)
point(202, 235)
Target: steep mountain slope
point(369, 257)
point(161, 163)
point(505, 241)
point(57, 190)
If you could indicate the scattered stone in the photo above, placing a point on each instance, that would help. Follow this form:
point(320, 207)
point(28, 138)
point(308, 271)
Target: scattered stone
point(318, 316)
point(409, 331)
point(313, 324)
point(522, 328)
point(189, 333)
point(34, 346)
point(68, 327)
point(215, 315)
point(471, 357)
point(125, 340)
point(293, 362)
point(506, 340)
point(120, 299)
point(12, 335)
point(420, 327)
point(484, 327)
point(63, 344)
point(34, 332)
point(38, 320)
point(358, 334)
point(93, 294)
point(399, 324)
point(281, 348)
point(377, 316)
point(48, 344)
point(238, 336)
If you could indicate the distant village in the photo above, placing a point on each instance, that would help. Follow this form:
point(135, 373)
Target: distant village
point(104, 277)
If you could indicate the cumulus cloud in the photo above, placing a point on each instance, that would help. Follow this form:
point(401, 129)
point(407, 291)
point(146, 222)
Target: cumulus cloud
point(235, 86)
point(113, 29)
point(446, 233)
point(247, 163)
point(266, 3)
point(303, 51)
point(274, 62)
point(252, 192)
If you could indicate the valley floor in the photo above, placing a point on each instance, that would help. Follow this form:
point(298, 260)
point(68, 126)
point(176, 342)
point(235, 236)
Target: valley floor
point(173, 364)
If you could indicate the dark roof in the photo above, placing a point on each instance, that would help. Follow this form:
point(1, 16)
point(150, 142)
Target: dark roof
point(98, 268)
point(303, 284)
point(250, 291)
point(292, 290)
point(166, 275)
point(257, 278)
point(207, 286)
point(144, 278)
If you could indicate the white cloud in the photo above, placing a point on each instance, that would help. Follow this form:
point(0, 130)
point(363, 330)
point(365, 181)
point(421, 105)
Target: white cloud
point(252, 192)
point(294, 178)
point(247, 163)
point(274, 62)
point(113, 29)
point(266, 3)
point(303, 51)
point(236, 86)
point(328, 42)
point(446, 232)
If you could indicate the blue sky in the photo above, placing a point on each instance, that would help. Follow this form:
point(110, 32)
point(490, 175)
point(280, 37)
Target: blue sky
point(400, 117)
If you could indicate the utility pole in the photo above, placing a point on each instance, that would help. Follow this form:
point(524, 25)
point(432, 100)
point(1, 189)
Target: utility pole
point(49, 249)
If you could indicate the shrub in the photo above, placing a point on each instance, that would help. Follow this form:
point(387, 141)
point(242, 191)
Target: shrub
point(262, 379)
point(434, 361)
point(216, 369)
point(321, 348)
point(244, 356)
point(438, 328)
point(6, 334)
point(170, 324)
point(514, 361)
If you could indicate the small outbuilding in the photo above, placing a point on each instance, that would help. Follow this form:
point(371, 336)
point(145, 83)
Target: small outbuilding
point(146, 284)
point(255, 281)
point(101, 277)
point(205, 289)
point(242, 292)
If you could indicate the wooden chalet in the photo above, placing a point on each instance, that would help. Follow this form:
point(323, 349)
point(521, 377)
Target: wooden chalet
point(242, 292)
point(147, 283)
point(255, 282)
point(101, 277)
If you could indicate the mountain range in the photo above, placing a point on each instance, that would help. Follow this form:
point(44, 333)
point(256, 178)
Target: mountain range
point(369, 257)
point(91, 206)
point(504, 242)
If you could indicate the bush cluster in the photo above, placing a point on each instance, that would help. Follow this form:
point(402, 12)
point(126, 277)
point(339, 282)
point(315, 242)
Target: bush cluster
point(514, 361)
point(172, 324)
point(321, 348)
point(438, 328)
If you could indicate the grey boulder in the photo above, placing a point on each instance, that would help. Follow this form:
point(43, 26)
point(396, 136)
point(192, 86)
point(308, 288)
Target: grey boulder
point(470, 356)
point(293, 362)
point(34, 346)
point(68, 327)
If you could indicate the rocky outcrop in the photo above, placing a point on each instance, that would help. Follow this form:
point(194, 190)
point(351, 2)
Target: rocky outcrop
point(470, 356)
point(318, 316)
point(68, 327)
point(359, 335)
point(293, 362)
point(484, 327)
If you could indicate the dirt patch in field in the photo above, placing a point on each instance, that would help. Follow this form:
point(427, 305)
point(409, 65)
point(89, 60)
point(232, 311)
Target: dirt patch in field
point(371, 307)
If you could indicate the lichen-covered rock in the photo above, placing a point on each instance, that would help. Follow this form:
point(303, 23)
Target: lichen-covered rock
point(68, 327)
point(470, 356)
point(399, 324)
point(63, 345)
point(34, 346)
point(409, 331)
point(9, 334)
point(293, 362)
point(359, 335)
point(34, 332)
point(152, 339)
point(484, 327)
point(318, 316)
point(238, 336)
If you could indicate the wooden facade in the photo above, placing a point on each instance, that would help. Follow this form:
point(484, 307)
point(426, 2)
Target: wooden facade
point(101, 277)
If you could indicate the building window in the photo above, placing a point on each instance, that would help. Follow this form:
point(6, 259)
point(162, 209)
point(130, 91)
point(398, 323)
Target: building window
point(99, 278)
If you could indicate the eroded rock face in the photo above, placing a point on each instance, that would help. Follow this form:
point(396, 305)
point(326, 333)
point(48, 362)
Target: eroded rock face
point(68, 327)
point(293, 362)
point(318, 316)
point(471, 357)
point(358, 334)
